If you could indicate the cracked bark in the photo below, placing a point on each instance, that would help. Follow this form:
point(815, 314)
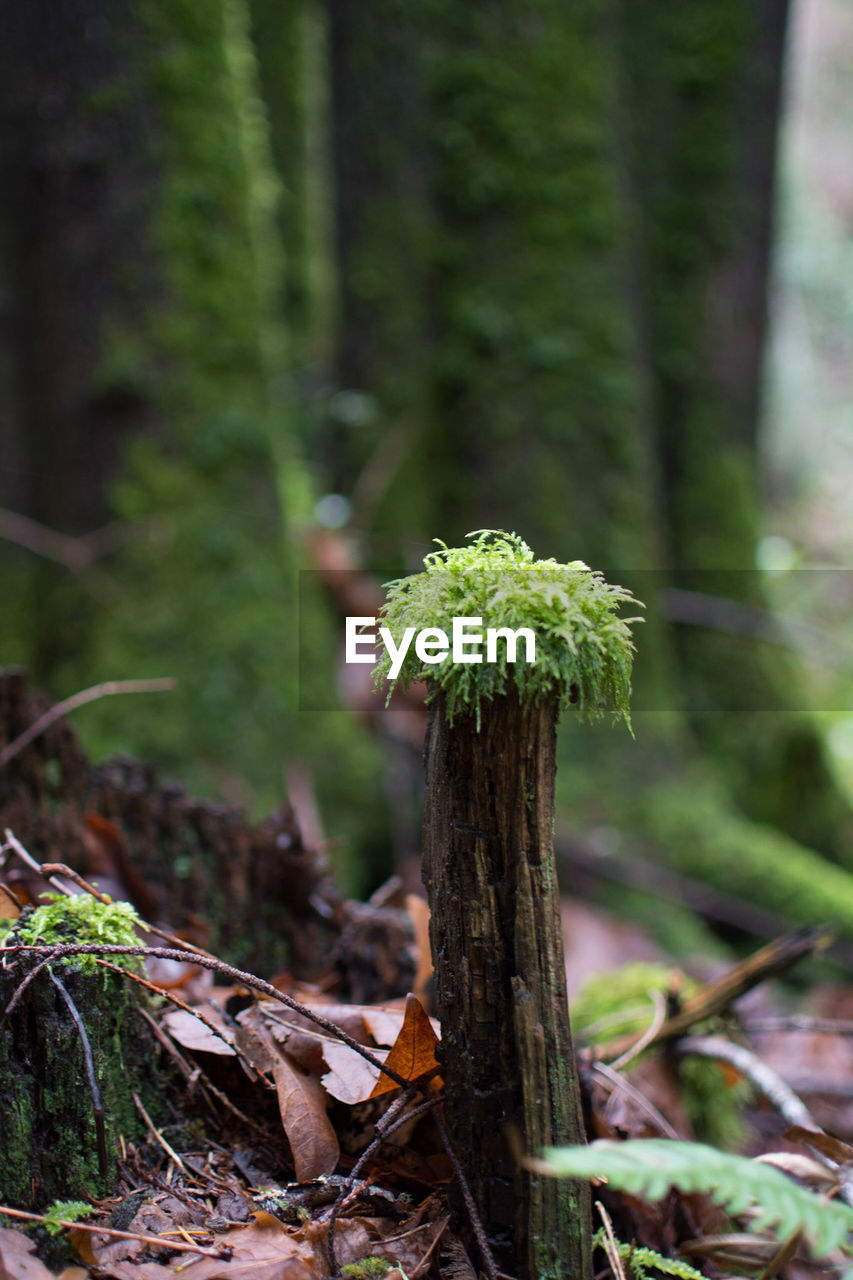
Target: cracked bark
point(506, 1045)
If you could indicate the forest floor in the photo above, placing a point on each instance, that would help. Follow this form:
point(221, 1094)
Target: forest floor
point(301, 1135)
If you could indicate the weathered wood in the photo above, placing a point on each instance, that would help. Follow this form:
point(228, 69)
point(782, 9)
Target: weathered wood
point(253, 892)
point(53, 1144)
point(506, 1043)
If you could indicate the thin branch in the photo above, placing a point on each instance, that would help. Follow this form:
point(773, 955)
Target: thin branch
point(219, 1032)
point(74, 553)
point(157, 1135)
point(611, 1248)
point(91, 1079)
point(14, 844)
point(800, 1022)
point(63, 950)
point(92, 694)
point(765, 1079)
point(648, 1036)
point(390, 1122)
point(221, 1254)
point(468, 1199)
point(616, 1081)
point(193, 1075)
point(715, 997)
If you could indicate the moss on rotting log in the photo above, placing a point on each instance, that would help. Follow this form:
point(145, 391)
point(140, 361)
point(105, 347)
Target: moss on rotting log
point(68, 1095)
point(489, 870)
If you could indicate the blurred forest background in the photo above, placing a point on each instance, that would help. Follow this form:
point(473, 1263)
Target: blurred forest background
point(396, 271)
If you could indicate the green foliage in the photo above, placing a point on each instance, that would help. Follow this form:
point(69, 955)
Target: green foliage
point(584, 651)
point(367, 1269)
point(649, 1167)
point(82, 919)
point(618, 1002)
point(641, 1260)
point(691, 823)
point(63, 1211)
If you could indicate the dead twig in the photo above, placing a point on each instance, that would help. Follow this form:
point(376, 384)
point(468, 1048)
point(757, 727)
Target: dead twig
point(391, 1121)
point(220, 1254)
point(468, 1200)
point(611, 1248)
point(91, 1080)
point(157, 1135)
point(57, 951)
point(13, 845)
point(648, 1036)
point(715, 997)
point(616, 1081)
point(92, 694)
point(765, 1079)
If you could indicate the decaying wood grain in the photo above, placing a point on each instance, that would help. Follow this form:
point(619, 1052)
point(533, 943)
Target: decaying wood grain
point(490, 876)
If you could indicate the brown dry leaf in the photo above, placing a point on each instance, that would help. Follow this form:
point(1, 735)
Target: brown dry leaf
point(262, 1250)
point(190, 1032)
point(17, 1257)
point(413, 1052)
point(419, 913)
point(106, 1251)
point(10, 907)
point(301, 1103)
point(359, 1238)
point(384, 1024)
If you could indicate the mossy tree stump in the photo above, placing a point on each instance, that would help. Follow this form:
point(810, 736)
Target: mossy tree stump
point(58, 1135)
point(489, 869)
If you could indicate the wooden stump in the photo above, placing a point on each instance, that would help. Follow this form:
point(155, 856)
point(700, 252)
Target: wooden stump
point(54, 1145)
point(506, 1045)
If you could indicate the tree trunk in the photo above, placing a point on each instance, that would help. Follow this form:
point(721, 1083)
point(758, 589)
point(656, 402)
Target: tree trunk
point(506, 1044)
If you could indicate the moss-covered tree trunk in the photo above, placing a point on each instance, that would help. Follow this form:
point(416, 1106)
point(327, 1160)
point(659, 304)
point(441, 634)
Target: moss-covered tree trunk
point(700, 96)
point(139, 250)
point(68, 1097)
point(506, 1044)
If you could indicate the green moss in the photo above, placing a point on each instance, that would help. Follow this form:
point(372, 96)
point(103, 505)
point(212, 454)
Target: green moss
point(367, 1269)
point(62, 1211)
point(690, 824)
point(584, 649)
point(82, 919)
point(619, 1002)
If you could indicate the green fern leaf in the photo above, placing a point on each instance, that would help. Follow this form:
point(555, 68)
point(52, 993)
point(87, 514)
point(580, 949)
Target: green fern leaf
point(640, 1258)
point(649, 1167)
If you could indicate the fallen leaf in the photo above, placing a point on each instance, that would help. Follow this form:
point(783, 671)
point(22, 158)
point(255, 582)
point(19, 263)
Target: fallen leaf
point(17, 1257)
point(350, 1077)
point(262, 1250)
point(413, 1052)
point(192, 1033)
point(10, 907)
point(301, 1103)
point(419, 913)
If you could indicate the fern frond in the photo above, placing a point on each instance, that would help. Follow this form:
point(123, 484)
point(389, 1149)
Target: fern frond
point(639, 1258)
point(649, 1167)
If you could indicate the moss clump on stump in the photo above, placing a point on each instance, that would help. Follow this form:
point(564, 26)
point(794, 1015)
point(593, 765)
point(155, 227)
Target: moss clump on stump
point(52, 1143)
point(490, 874)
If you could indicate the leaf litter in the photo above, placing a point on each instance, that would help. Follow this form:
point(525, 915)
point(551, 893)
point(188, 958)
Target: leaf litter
point(305, 1150)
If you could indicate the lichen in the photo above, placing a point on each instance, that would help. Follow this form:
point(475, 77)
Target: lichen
point(584, 650)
